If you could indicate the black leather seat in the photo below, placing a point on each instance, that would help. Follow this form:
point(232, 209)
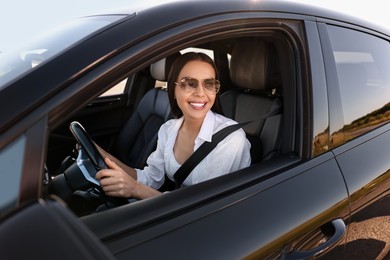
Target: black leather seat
point(138, 139)
point(254, 72)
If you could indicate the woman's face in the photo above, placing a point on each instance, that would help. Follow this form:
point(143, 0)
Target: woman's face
point(195, 102)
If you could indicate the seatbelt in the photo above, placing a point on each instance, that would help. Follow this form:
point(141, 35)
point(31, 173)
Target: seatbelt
point(203, 150)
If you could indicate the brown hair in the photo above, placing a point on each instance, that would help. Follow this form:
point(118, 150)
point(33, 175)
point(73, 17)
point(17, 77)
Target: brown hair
point(177, 66)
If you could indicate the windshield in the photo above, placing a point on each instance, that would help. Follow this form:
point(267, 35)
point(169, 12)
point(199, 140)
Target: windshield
point(28, 56)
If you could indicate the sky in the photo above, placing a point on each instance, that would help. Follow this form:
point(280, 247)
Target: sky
point(21, 19)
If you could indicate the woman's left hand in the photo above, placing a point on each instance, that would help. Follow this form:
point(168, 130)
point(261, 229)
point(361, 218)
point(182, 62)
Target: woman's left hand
point(116, 182)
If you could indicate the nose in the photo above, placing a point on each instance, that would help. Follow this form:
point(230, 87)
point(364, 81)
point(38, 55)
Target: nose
point(199, 91)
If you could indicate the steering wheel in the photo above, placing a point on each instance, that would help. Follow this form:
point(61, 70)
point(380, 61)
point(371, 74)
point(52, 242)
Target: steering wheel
point(95, 160)
point(80, 176)
point(90, 149)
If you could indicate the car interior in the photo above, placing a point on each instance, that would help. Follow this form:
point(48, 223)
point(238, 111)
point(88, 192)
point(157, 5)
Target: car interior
point(254, 72)
point(254, 80)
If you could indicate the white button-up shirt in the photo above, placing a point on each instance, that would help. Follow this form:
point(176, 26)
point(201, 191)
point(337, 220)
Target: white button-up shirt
point(231, 154)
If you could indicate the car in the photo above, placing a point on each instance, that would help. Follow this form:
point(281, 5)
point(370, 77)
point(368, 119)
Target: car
point(320, 166)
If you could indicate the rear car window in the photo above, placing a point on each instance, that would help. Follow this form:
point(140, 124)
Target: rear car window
point(362, 63)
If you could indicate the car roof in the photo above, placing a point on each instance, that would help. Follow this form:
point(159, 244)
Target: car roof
point(221, 6)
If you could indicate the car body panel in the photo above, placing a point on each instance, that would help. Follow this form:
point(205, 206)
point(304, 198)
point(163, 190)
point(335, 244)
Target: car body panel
point(257, 234)
point(368, 177)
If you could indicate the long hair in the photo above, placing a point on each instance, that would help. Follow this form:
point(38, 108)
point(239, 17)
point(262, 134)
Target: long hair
point(176, 68)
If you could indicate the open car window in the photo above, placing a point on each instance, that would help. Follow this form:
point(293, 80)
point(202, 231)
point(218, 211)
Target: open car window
point(114, 115)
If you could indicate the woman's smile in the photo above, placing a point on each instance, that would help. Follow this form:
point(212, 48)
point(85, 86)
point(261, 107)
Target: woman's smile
point(197, 104)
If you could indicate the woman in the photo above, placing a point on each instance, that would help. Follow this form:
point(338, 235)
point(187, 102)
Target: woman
point(192, 90)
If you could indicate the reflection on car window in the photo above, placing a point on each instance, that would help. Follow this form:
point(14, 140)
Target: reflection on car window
point(11, 161)
point(362, 63)
point(25, 58)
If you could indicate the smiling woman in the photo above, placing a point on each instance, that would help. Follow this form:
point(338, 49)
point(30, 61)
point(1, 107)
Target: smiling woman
point(194, 105)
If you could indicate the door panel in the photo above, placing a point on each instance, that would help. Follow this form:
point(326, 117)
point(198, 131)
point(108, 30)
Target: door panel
point(257, 221)
point(358, 96)
point(366, 168)
point(365, 163)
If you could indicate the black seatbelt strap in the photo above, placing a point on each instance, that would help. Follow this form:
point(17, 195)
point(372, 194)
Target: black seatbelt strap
point(203, 150)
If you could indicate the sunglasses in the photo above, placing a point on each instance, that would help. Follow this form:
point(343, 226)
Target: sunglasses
point(211, 86)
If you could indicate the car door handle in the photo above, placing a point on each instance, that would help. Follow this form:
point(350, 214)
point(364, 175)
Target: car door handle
point(339, 231)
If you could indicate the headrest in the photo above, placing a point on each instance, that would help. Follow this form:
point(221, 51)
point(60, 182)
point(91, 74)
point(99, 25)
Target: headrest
point(161, 68)
point(250, 64)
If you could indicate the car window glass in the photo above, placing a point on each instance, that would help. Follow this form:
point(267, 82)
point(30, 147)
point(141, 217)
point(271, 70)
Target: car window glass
point(362, 63)
point(27, 56)
point(116, 90)
point(11, 161)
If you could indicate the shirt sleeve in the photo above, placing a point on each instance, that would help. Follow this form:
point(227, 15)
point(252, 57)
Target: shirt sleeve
point(153, 175)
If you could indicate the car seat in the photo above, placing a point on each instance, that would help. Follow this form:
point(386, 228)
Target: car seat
point(254, 73)
point(138, 138)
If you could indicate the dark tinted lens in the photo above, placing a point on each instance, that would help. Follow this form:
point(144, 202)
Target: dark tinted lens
point(191, 83)
point(211, 85)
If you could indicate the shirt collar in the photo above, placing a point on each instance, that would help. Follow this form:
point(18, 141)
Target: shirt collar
point(207, 128)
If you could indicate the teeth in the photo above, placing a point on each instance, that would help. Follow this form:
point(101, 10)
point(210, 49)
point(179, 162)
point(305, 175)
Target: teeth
point(197, 104)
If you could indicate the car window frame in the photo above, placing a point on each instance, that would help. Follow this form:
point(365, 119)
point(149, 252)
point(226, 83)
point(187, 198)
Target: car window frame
point(119, 65)
point(188, 41)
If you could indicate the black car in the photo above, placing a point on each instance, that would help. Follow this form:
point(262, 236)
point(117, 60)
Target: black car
point(321, 166)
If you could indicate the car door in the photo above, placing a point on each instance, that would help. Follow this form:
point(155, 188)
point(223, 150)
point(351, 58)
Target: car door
point(359, 62)
point(277, 216)
point(285, 207)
